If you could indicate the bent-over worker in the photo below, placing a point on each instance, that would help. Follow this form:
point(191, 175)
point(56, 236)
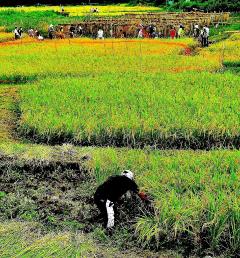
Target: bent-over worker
point(111, 191)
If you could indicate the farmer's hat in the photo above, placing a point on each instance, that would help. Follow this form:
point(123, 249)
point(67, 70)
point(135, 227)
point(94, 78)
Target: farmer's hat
point(128, 174)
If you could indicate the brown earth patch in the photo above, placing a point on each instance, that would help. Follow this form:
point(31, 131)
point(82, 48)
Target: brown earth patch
point(8, 96)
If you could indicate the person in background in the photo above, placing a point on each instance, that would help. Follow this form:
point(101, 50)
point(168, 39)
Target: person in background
point(204, 36)
point(196, 31)
point(206, 29)
point(16, 33)
point(80, 30)
point(51, 31)
point(154, 34)
point(37, 33)
point(20, 32)
point(140, 33)
point(151, 31)
point(180, 31)
point(111, 191)
point(40, 37)
point(31, 33)
point(100, 34)
point(111, 32)
point(72, 31)
point(61, 33)
point(173, 33)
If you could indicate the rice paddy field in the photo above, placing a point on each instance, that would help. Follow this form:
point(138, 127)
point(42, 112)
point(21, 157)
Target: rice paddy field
point(125, 93)
point(196, 198)
point(5, 36)
point(42, 16)
point(83, 10)
point(73, 112)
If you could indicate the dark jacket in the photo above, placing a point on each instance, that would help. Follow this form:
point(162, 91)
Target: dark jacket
point(114, 188)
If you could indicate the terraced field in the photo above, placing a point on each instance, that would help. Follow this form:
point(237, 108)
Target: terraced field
point(107, 10)
point(125, 93)
point(139, 96)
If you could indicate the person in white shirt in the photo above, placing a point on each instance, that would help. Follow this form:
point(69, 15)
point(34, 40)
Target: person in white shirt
point(40, 37)
point(196, 31)
point(140, 33)
point(16, 33)
point(205, 36)
point(100, 34)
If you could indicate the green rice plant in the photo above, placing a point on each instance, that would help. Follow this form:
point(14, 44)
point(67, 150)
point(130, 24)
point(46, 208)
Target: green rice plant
point(87, 57)
point(233, 236)
point(9, 18)
point(84, 10)
point(134, 94)
point(4, 36)
point(146, 106)
point(134, 110)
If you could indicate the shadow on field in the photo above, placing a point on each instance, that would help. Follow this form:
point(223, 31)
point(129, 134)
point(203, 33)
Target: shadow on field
point(233, 67)
point(16, 79)
point(154, 140)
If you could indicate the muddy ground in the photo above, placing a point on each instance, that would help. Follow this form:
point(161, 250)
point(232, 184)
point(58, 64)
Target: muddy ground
point(56, 193)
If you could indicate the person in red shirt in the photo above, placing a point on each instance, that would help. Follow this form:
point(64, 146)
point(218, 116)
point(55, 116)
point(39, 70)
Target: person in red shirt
point(173, 33)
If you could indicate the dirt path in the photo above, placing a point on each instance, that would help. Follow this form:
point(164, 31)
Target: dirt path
point(8, 97)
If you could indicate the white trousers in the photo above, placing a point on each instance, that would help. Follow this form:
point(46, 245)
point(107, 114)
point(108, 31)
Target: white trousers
point(110, 214)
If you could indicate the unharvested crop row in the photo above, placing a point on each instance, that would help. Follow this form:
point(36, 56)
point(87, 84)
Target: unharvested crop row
point(125, 93)
point(187, 110)
point(83, 57)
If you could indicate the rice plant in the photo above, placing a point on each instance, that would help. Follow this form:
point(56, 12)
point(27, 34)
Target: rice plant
point(198, 110)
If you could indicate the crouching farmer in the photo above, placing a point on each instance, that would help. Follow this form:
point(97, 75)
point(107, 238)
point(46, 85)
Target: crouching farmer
point(111, 191)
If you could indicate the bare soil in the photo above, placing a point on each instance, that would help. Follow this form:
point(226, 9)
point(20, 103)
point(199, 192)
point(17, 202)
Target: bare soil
point(8, 96)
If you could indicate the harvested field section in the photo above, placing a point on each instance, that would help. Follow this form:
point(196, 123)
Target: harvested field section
point(195, 193)
point(30, 239)
point(135, 110)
